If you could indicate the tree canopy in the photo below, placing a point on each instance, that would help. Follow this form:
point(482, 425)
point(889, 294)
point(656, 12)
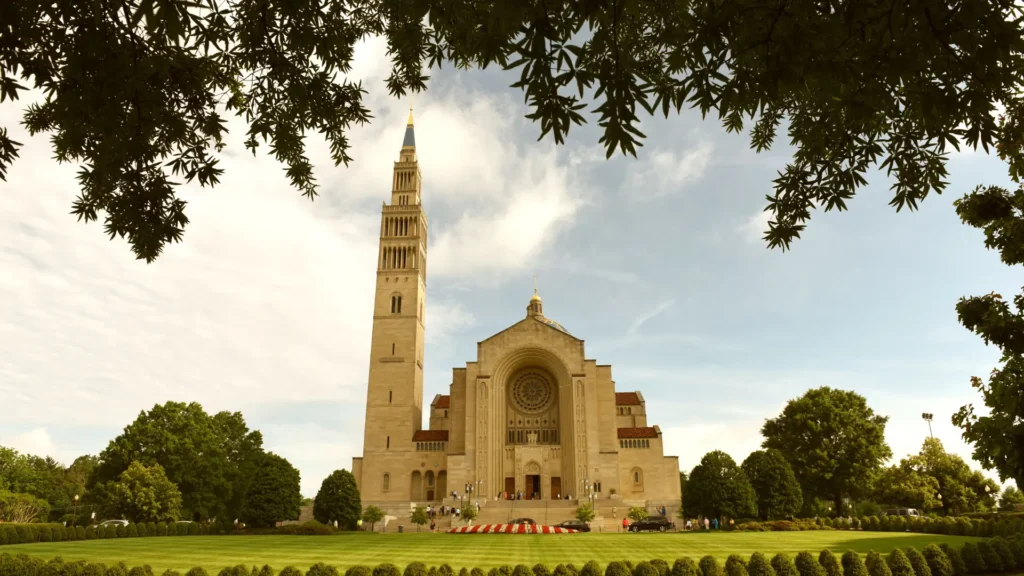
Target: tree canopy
point(777, 492)
point(44, 478)
point(144, 494)
point(1010, 499)
point(833, 440)
point(857, 83)
point(338, 501)
point(206, 457)
point(273, 494)
point(718, 487)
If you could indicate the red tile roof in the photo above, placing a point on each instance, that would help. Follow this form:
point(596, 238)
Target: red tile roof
point(627, 399)
point(430, 436)
point(443, 402)
point(645, 432)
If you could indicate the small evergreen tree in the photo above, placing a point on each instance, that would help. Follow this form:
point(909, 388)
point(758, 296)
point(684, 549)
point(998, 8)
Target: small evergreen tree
point(783, 565)
point(938, 562)
point(463, 571)
point(853, 565)
point(992, 561)
point(542, 570)
point(616, 569)
point(899, 564)
point(645, 569)
point(972, 559)
point(476, 572)
point(830, 563)
point(415, 569)
point(338, 501)
point(807, 565)
point(661, 566)
point(758, 566)
point(522, 570)
point(446, 570)
point(709, 566)
point(386, 569)
point(353, 571)
point(959, 568)
point(684, 567)
point(917, 561)
point(876, 565)
point(734, 566)
point(1001, 547)
point(1017, 548)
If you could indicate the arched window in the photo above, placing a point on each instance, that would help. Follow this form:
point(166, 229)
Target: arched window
point(638, 479)
point(387, 482)
point(396, 304)
point(445, 413)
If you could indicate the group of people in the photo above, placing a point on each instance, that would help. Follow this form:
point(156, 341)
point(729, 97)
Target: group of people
point(443, 510)
point(702, 523)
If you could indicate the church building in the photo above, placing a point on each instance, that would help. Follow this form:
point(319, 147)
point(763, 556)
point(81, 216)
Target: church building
point(531, 417)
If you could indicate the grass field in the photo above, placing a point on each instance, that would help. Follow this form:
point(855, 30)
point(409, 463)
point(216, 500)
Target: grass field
point(484, 551)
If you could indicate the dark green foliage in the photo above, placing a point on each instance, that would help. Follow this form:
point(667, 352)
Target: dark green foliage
point(151, 529)
point(338, 500)
point(718, 487)
point(386, 569)
point(830, 563)
point(506, 570)
point(144, 570)
point(57, 534)
point(464, 572)
point(777, 492)
point(876, 565)
point(415, 569)
point(684, 567)
point(591, 568)
point(807, 565)
point(628, 564)
point(520, 570)
point(273, 494)
point(853, 565)
point(237, 570)
point(353, 571)
point(616, 569)
point(171, 573)
point(474, 572)
point(1001, 547)
point(709, 566)
point(972, 559)
point(119, 569)
point(44, 535)
point(661, 566)
point(432, 571)
point(993, 563)
point(1017, 549)
point(446, 570)
point(783, 565)
point(645, 569)
point(758, 566)
point(899, 564)
point(955, 560)
point(563, 570)
point(193, 529)
point(161, 529)
point(917, 561)
point(938, 563)
point(321, 569)
point(97, 569)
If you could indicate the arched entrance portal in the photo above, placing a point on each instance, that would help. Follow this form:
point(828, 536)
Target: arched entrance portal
point(416, 486)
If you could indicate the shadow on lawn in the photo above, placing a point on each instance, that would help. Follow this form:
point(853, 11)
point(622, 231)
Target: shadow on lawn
point(885, 544)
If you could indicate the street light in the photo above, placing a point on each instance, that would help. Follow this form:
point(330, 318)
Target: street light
point(76, 508)
point(928, 418)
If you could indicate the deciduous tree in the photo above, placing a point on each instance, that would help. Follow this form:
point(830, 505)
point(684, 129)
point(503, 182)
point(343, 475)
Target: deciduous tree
point(777, 491)
point(273, 493)
point(833, 440)
point(338, 501)
point(158, 75)
point(585, 512)
point(718, 487)
point(1010, 499)
point(145, 494)
point(906, 487)
point(419, 517)
point(372, 515)
point(20, 507)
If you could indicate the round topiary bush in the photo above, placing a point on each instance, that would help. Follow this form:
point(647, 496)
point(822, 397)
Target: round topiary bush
point(1002, 548)
point(237, 570)
point(464, 572)
point(918, 562)
point(415, 569)
point(992, 561)
point(321, 569)
point(386, 569)
point(564, 570)
point(661, 566)
point(972, 559)
point(938, 562)
point(144, 570)
point(783, 565)
point(709, 566)
point(853, 565)
point(1017, 548)
point(519, 570)
point(645, 569)
point(899, 564)
point(758, 566)
point(353, 571)
point(432, 571)
point(807, 565)
point(876, 565)
point(959, 568)
point(476, 572)
point(734, 566)
point(616, 569)
point(830, 563)
point(684, 567)
point(591, 568)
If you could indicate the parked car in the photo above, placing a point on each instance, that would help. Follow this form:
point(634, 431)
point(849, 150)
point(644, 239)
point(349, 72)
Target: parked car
point(522, 521)
point(903, 512)
point(106, 523)
point(652, 523)
point(575, 525)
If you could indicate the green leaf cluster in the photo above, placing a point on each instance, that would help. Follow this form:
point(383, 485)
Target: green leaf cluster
point(717, 487)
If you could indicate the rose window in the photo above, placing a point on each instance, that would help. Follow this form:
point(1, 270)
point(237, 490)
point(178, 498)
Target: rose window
point(531, 392)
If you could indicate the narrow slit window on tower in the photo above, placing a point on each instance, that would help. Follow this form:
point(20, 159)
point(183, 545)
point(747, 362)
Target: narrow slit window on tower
point(391, 393)
point(388, 442)
point(392, 348)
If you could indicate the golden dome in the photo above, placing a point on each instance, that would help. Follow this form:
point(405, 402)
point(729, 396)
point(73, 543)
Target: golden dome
point(535, 297)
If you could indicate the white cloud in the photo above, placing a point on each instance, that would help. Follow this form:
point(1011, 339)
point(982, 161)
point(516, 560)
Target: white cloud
point(666, 172)
point(36, 441)
point(752, 230)
point(691, 442)
point(445, 318)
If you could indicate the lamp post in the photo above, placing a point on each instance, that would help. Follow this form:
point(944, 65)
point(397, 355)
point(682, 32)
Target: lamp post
point(928, 418)
point(469, 494)
point(76, 508)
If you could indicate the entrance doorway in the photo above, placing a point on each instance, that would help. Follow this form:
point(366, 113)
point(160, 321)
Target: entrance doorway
point(510, 488)
point(532, 486)
point(556, 487)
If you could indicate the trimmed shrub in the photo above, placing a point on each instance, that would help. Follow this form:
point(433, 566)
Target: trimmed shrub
point(353, 571)
point(628, 564)
point(59, 533)
point(735, 566)
point(806, 565)
point(237, 570)
point(473, 572)
point(876, 565)
point(993, 563)
point(193, 529)
point(1003, 550)
point(972, 558)
point(44, 535)
point(917, 562)
point(783, 565)
point(70, 533)
point(446, 570)
point(661, 566)
point(955, 560)
point(79, 533)
point(899, 564)
point(542, 570)
point(683, 567)
point(853, 565)
point(561, 570)
point(170, 572)
point(830, 563)
point(132, 531)
point(161, 529)
point(386, 569)
point(464, 572)
point(415, 569)
point(120, 531)
point(119, 569)
point(709, 566)
point(646, 569)
point(1017, 549)
point(144, 570)
point(938, 562)
point(591, 568)
point(432, 571)
point(519, 570)
point(758, 566)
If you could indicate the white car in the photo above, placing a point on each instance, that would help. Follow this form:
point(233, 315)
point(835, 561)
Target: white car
point(114, 523)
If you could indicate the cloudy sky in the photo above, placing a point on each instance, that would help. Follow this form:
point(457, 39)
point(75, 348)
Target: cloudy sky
point(656, 262)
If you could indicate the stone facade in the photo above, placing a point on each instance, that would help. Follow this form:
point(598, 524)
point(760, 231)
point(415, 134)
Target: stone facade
point(531, 414)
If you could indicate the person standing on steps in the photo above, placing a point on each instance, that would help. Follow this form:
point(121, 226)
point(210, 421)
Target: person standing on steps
point(625, 524)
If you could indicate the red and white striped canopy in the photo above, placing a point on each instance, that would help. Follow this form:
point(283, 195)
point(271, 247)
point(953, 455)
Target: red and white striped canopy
point(511, 529)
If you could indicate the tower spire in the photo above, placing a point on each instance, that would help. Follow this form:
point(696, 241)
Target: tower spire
point(409, 143)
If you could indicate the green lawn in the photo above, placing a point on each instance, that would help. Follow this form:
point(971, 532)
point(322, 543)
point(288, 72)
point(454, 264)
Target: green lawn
point(484, 551)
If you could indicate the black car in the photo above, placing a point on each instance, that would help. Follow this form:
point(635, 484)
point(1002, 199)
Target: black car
point(575, 525)
point(522, 521)
point(653, 523)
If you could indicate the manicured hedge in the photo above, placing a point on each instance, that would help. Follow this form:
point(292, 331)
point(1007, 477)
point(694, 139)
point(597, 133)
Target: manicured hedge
point(29, 533)
point(985, 557)
point(1001, 525)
